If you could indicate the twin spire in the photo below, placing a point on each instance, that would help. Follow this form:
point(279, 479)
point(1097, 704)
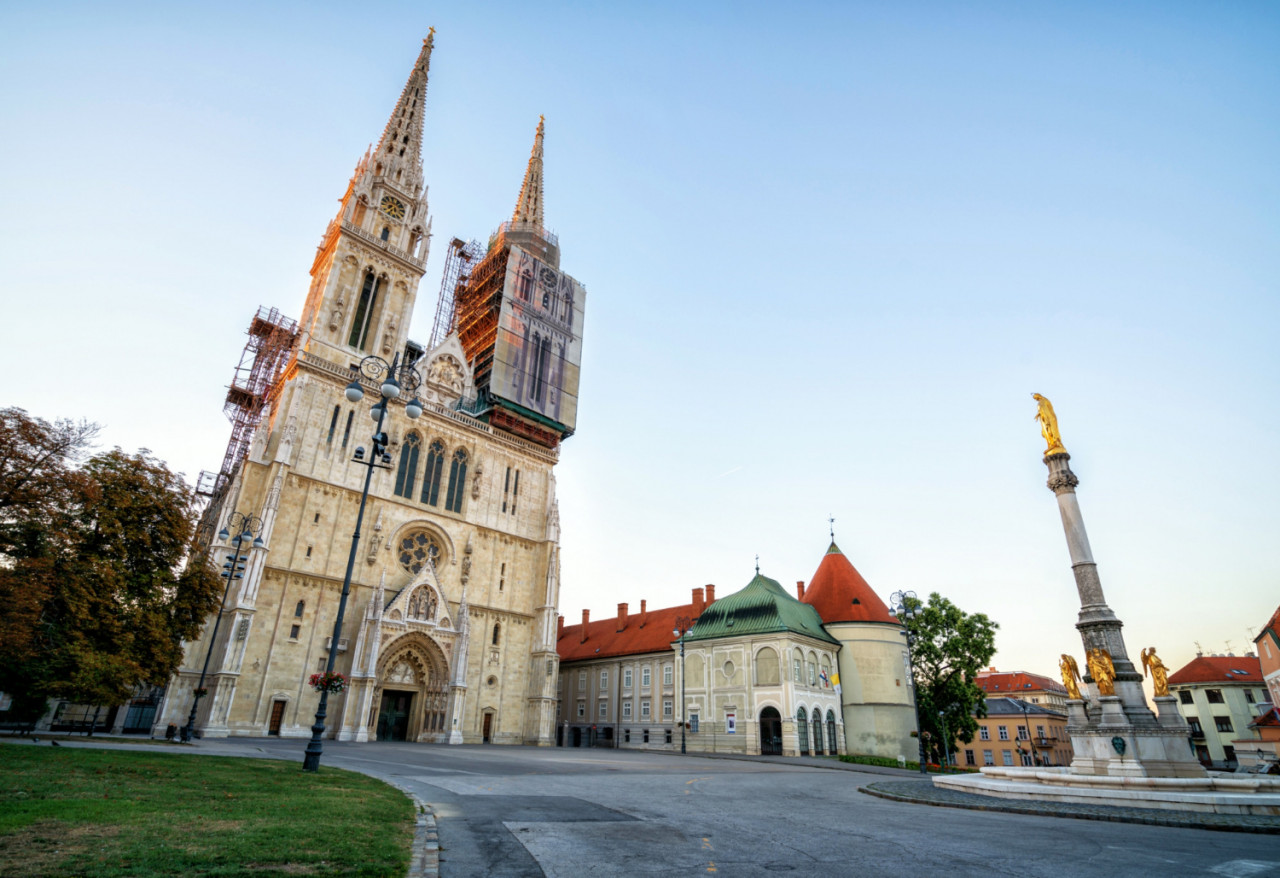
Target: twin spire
point(401, 145)
point(400, 148)
point(529, 204)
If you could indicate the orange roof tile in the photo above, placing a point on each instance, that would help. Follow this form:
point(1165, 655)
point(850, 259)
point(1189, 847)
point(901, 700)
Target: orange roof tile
point(1016, 681)
point(1218, 669)
point(840, 594)
point(644, 632)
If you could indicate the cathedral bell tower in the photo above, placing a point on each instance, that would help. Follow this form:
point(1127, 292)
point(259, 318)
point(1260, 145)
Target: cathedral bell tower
point(368, 266)
point(519, 319)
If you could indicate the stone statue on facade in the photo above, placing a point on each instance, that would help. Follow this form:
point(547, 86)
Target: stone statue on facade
point(1070, 676)
point(1048, 426)
point(1154, 668)
point(1102, 670)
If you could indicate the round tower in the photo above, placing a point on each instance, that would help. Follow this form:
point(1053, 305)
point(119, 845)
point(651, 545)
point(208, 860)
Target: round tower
point(875, 679)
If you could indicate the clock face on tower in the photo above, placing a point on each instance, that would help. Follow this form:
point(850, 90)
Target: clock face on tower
point(392, 207)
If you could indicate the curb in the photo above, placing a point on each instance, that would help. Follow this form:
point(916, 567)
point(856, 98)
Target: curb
point(424, 856)
point(1149, 816)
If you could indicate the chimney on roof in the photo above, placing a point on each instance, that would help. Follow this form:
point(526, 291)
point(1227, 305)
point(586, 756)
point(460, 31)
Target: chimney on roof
point(559, 627)
point(697, 602)
point(711, 594)
point(622, 617)
point(644, 612)
point(799, 589)
point(586, 617)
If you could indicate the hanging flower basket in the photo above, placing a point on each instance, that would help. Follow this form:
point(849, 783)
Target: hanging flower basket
point(330, 681)
point(201, 692)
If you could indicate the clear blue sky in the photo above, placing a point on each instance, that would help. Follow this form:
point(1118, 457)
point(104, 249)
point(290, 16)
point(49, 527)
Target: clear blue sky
point(830, 251)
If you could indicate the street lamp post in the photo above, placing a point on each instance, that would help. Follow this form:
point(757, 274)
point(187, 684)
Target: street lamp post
point(946, 739)
point(393, 376)
point(245, 526)
point(684, 707)
point(1026, 724)
point(904, 607)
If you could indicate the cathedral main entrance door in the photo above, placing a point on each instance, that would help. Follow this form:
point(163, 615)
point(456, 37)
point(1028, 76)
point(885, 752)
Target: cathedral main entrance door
point(770, 732)
point(393, 718)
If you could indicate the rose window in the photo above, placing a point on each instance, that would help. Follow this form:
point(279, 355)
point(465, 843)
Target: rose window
point(416, 549)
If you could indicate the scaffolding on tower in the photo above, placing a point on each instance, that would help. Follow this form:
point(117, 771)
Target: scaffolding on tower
point(271, 340)
point(462, 258)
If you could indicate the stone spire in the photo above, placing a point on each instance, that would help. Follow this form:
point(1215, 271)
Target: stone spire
point(400, 149)
point(529, 205)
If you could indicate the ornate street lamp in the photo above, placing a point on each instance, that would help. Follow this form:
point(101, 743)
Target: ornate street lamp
point(905, 605)
point(391, 378)
point(246, 527)
point(684, 707)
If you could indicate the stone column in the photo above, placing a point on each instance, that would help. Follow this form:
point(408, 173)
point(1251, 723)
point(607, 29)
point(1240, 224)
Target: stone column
point(1098, 625)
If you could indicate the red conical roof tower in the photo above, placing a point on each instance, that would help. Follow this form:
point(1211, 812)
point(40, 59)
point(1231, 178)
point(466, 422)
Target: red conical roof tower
point(840, 594)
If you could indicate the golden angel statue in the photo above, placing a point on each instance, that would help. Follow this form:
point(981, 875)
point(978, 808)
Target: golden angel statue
point(1102, 670)
point(1155, 669)
point(1048, 426)
point(1070, 676)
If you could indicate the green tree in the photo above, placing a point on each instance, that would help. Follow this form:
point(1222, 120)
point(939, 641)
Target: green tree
point(96, 596)
point(949, 648)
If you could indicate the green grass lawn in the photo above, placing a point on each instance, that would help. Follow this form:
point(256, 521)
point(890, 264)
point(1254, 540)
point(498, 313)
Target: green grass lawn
point(83, 812)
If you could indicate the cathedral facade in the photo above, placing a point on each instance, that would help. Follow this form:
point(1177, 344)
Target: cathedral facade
point(450, 628)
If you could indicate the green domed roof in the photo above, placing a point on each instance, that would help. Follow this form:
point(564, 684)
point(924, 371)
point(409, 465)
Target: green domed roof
point(763, 607)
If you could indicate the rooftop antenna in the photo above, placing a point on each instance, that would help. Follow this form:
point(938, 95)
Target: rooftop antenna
point(1199, 648)
point(832, 520)
point(1229, 650)
point(757, 565)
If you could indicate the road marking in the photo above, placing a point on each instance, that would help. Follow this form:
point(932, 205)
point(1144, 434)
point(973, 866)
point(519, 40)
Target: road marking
point(1242, 868)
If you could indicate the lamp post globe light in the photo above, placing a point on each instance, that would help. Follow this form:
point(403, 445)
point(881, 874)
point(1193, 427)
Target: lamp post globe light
point(684, 707)
point(391, 379)
point(246, 527)
point(905, 605)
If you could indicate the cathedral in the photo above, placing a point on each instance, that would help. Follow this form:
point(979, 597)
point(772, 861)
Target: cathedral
point(449, 633)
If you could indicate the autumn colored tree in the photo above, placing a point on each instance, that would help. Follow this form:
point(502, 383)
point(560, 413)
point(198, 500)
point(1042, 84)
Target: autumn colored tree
point(948, 649)
point(96, 595)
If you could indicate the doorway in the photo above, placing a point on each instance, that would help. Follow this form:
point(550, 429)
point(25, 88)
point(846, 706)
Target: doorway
point(277, 717)
point(487, 729)
point(770, 732)
point(393, 717)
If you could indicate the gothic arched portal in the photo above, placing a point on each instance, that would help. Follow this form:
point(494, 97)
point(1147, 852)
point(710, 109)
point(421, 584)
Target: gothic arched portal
point(411, 698)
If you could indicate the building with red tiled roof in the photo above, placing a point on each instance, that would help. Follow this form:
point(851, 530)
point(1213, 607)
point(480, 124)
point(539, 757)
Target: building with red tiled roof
point(617, 676)
point(1219, 696)
point(875, 683)
point(834, 652)
point(1032, 688)
point(1268, 645)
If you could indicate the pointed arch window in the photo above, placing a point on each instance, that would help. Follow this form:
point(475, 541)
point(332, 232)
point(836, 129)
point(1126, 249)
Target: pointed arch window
point(431, 475)
point(407, 474)
point(386, 230)
point(457, 481)
point(497, 633)
point(359, 337)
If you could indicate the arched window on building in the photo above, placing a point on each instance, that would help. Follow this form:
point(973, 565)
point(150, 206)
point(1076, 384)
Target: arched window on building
point(364, 311)
point(299, 609)
point(802, 731)
point(457, 481)
point(817, 732)
point(431, 475)
point(407, 474)
point(497, 633)
point(832, 743)
point(797, 661)
point(767, 667)
point(386, 233)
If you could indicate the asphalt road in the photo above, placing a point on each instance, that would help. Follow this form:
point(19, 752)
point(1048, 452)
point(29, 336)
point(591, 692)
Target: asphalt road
point(504, 811)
